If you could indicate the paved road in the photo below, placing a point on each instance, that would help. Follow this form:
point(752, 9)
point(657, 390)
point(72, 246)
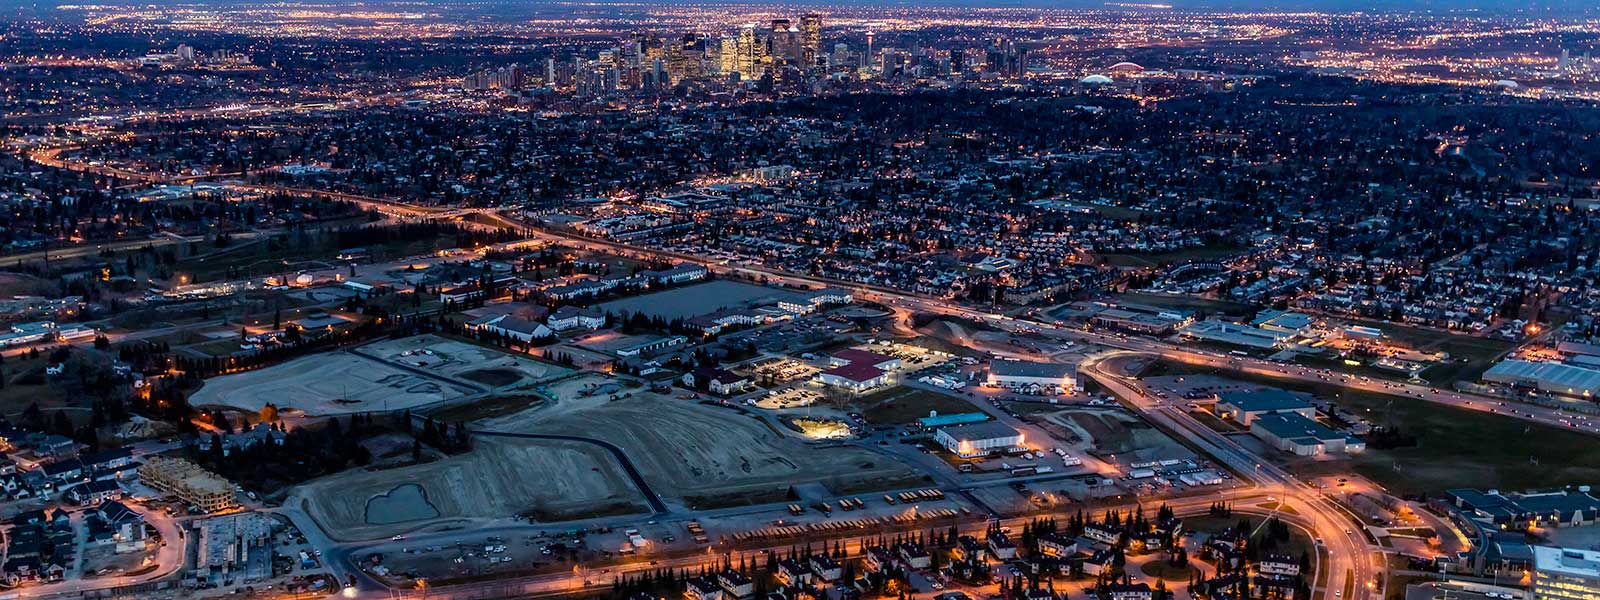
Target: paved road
point(1349, 555)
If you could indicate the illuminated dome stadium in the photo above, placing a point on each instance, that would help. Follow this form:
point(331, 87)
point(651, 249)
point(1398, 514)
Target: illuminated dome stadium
point(1507, 83)
point(1095, 80)
point(1126, 67)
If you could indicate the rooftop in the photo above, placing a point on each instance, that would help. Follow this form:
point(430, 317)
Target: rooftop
point(980, 431)
point(1023, 368)
point(1295, 425)
point(1263, 400)
point(1567, 561)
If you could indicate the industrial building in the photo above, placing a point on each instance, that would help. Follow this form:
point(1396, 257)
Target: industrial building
point(1295, 433)
point(1245, 407)
point(1283, 321)
point(196, 486)
point(978, 439)
point(1223, 332)
point(1565, 574)
point(1549, 377)
point(1033, 376)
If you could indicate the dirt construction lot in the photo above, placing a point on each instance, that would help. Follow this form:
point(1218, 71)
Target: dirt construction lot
point(1113, 430)
point(325, 384)
point(460, 360)
point(552, 480)
point(707, 455)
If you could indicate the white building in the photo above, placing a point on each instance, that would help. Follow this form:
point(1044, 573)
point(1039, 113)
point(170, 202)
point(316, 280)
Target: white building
point(978, 439)
point(1302, 436)
point(568, 318)
point(1278, 564)
point(517, 328)
point(810, 302)
point(1565, 574)
point(1028, 375)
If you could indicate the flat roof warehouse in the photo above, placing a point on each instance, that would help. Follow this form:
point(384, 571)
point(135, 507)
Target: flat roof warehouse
point(1020, 368)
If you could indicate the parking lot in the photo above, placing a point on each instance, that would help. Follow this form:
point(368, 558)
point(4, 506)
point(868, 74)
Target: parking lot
point(776, 371)
point(793, 397)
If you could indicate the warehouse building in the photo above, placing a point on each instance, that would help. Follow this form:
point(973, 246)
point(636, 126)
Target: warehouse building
point(978, 439)
point(1245, 407)
point(1032, 376)
point(1548, 377)
point(1223, 332)
point(1297, 434)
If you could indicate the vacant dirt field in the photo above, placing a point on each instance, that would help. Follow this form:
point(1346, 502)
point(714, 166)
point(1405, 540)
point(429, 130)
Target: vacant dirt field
point(327, 384)
point(499, 478)
point(461, 360)
point(702, 453)
point(1116, 431)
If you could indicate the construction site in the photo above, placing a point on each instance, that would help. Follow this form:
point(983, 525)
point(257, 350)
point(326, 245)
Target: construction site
point(703, 454)
point(197, 487)
point(539, 480)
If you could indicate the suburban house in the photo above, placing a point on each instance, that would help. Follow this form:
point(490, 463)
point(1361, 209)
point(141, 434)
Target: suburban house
point(1001, 547)
point(792, 572)
point(826, 568)
point(736, 584)
point(717, 381)
point(1056, 546)
point(700, 588)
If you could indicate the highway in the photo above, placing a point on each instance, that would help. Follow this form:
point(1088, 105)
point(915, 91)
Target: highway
point(1350, 556)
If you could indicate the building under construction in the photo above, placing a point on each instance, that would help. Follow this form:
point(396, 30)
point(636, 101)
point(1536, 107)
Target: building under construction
point(198, 487)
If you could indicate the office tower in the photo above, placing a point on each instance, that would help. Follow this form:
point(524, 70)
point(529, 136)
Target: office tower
point(783, 42)
point(958, 60)
point(751, 54)
point(811, 39)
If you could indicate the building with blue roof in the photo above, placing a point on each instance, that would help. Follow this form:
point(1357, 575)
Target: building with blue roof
point(1301, 435)
point(1246, 407)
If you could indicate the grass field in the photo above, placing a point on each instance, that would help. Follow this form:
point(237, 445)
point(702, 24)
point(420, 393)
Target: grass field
point(1462, 448)
point(901, 405)
point(1455, 447)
